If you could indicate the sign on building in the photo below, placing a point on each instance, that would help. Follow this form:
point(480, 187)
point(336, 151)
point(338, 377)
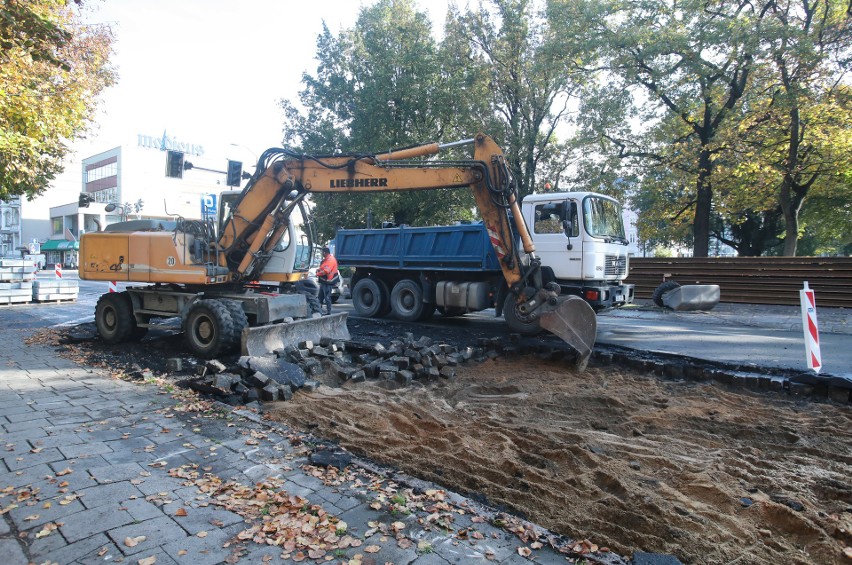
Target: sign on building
point(209, 205)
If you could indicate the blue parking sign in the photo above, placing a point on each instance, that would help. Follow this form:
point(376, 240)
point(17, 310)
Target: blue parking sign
point(208, 205)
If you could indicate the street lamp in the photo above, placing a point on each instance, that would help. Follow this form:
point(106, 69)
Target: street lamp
point(122, 209)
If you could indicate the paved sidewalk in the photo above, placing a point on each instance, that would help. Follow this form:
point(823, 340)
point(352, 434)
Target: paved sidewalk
point(100, 470)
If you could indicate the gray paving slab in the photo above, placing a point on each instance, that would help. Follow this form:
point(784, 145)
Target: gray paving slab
point(12, 552)
point(54, 549)
point(95, 520)
point(156, 531)
point(207, 550)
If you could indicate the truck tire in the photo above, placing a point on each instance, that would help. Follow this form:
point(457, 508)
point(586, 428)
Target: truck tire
point(114, 317)
point(208, 328)
point(370, 298)
point(657, 297)
point(518, 322)
point(239, 318)
point(406, 301)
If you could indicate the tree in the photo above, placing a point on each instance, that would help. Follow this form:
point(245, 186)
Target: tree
point(692, 60)
point(380, 85)
point(799, 129)
point(528, 87)
point(52, 68)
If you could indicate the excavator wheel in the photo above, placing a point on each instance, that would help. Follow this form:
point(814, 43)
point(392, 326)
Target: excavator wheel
point(208, 328)
point(524, 324)
point(370, 298)
point(114, 317)
point(238, 316)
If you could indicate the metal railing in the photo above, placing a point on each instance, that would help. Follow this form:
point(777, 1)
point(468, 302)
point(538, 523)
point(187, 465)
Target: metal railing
point(751, 280)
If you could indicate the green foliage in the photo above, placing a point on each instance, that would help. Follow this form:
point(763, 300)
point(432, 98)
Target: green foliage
point(51, 71)
point(387, 83)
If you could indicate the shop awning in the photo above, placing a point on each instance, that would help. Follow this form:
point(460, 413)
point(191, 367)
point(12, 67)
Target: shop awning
point(60, 245)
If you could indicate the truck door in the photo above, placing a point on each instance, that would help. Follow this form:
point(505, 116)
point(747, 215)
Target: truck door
point(556, 232)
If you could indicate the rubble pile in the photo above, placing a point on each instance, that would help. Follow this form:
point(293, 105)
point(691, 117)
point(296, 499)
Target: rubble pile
point(308, 365)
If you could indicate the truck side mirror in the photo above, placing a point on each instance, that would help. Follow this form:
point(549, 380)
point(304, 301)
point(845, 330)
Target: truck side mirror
point(568, 228)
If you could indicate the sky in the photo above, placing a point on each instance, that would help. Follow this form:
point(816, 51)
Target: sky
point(209, 72)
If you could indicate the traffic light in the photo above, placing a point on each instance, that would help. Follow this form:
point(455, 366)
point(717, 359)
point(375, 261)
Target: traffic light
point(235, 173)
point(85, 200)
point(174, 164)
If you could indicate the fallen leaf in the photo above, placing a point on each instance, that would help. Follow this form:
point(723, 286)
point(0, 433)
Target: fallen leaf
point(536, 545)
point(201, 534)
point(148, 560)
point(133, 542)
point(182, 552)
point(31, 517)
point(62, 473)
point(524, 551)
point(372, 549)
point(180, 512)
point(103, 551)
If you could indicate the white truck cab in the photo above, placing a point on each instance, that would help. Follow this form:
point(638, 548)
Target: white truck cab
point(580, 239)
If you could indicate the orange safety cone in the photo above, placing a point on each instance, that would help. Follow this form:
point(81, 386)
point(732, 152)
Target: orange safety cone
point(811, 328)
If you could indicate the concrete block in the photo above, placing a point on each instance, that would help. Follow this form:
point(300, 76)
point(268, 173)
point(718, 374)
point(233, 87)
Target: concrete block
point(692, 297)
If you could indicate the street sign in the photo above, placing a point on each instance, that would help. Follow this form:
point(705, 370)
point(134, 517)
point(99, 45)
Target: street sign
point(209, 204)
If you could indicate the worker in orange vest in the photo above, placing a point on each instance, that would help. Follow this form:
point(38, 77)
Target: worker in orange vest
point(328, 277)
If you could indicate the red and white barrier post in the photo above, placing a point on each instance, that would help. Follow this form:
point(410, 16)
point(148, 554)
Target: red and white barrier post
point(112, 286)
point(58, 271)
point(811, 328)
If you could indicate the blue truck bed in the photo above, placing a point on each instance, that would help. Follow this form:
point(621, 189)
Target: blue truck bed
point(463, 247)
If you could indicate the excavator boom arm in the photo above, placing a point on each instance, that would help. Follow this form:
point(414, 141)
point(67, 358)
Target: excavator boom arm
point(260, 215)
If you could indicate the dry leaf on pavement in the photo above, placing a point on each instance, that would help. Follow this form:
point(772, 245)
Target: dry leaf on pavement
point(148, 560)
point(133, 542)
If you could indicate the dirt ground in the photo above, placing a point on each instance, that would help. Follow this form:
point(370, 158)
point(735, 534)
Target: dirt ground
point(629, 461)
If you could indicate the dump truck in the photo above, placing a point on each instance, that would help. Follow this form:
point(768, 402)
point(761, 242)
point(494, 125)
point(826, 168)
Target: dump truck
point(412, 272)
point(204, 271)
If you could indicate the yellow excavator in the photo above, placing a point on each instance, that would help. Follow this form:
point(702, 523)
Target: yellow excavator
point(205, 272)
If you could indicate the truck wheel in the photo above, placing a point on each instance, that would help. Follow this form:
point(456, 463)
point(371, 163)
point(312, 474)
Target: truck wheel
point(239, 318)
point(370, 298)
point(406, 301)
point(667, 286)
point(114, 317)
point(518, 322)
point(208, 329)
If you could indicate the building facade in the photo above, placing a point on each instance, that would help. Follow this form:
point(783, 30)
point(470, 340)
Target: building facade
point(147, 177)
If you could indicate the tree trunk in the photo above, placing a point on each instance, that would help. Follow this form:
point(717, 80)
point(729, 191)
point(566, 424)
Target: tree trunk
point(703, 202)
point(790, 201)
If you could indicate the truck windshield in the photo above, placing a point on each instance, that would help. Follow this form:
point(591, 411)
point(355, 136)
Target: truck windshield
point(603, 218)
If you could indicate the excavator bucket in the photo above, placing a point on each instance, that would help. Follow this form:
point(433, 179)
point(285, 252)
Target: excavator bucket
point(263, 340)
point(573, 320)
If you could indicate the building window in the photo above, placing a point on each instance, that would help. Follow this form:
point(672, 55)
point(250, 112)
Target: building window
point(102, 172)
point(57, 226)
